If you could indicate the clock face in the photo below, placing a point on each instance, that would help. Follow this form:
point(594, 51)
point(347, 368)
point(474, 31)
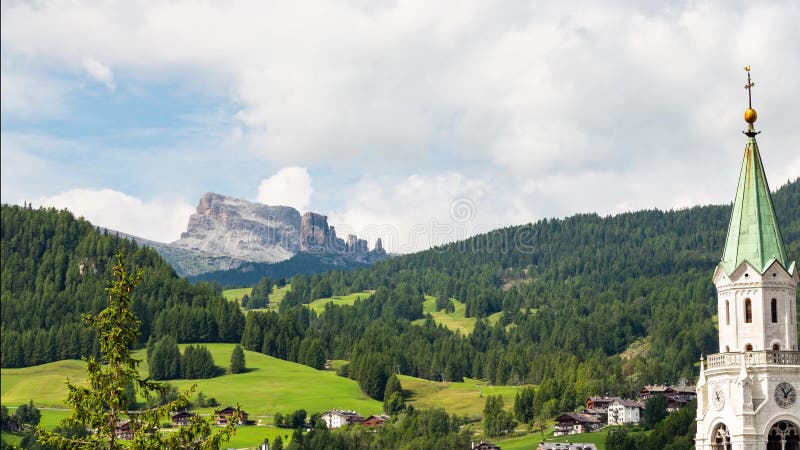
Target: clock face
point(718, 397)
point(785, 395)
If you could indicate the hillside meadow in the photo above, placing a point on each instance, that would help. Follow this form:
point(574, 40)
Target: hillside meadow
point(270, 385)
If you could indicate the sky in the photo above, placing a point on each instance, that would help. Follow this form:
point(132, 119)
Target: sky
point(415, 121)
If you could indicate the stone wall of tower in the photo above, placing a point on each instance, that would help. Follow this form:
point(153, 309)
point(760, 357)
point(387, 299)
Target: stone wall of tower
point(748, 409)
point(761, 333)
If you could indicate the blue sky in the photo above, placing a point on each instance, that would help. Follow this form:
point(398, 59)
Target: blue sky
point(390, 117)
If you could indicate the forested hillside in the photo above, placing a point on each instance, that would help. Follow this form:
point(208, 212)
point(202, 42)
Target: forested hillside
point(55, 268)
point(575, 295)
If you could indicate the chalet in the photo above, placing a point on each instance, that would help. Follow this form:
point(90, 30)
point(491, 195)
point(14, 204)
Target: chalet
point(124, 430)
point(565, 446)
point(624, 412)
point(571, 423)
point(337, 418)
point(666, 390)
point(181, 418)
point(375, 421)
point(229, 413)
point(600, 402)
point(601, 414)
point(482, 445)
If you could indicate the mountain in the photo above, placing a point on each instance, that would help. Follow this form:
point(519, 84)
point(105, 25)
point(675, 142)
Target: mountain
point(227, 233)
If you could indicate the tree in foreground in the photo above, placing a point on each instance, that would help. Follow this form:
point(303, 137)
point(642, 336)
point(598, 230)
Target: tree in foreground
point(237, 359)
point(101, 404)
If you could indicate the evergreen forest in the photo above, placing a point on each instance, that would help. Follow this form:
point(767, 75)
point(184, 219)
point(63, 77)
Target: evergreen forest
point(587, 304)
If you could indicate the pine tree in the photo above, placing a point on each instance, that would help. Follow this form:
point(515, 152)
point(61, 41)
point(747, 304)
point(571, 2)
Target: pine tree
point(100, 405)
point(237, 360)
point(165, 361)
point(523, 404)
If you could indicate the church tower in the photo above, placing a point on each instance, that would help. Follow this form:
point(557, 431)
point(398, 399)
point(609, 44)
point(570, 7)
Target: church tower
point(747, 393)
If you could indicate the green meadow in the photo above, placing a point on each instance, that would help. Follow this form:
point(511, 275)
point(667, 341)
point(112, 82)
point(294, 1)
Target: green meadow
point(270, 385)
point(235, 295)
point(467, 398)
point(456, 320)
point(347, 300)
point(51, 418)
point(275, 298)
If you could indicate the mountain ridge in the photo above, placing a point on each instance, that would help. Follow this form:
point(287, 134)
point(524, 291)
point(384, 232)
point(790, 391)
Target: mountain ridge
point(228, 233)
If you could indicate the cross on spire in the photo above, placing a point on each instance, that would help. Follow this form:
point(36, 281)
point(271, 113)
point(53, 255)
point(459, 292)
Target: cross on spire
point(749, 87)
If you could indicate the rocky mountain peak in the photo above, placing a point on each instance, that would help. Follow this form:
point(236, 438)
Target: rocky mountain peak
point(228, 231)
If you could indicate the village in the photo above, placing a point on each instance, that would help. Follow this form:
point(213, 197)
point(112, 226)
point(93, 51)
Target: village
point(598, 412)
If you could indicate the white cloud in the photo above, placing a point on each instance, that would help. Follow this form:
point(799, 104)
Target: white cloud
point(528, 89)
point(291, 186)
point(158, 219)
point(99, 71)
point(565, 107)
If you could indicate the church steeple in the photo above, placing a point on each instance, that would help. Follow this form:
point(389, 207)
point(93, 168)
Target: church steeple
point(746, 392)
point(753, 233)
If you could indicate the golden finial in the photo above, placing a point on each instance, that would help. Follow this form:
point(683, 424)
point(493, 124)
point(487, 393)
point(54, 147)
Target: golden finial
point(750, 115)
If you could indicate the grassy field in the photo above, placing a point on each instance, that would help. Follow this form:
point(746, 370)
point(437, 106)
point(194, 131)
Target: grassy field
point(236, 294)
point(51, 418)
point(455, 320)
point(275, 298)
point(467, 398)
point(319, 305)
point(270, 385)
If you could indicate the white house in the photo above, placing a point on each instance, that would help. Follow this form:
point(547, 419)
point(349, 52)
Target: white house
point(624, 412)
point(337, 418)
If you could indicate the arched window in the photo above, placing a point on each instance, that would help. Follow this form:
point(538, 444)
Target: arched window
point(748, 348)
point(727, 349)
point(774, 310)
point(748, 311)
point(783, 436)
point(776, 347)
point(727, 313)
point(721, 438)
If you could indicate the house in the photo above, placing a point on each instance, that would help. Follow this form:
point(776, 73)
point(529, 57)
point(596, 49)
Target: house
point(624, 412)
point(124, 430)
point(224, 415)
point(677, 401)
point(482, 445)
point(667, 390)
point(600, 402)
point(337, 418)
point(375, 421)
point(571, 423)
point(181, 418)
point(601, 414)
point(565, 446)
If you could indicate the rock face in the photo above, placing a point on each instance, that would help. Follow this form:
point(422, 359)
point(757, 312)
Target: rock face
point(226, 232)
point(225, 226)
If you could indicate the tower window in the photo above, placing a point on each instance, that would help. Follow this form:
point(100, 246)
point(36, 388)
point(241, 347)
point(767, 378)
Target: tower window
point(774, 310)
point(748, 348)
point(748, 311)
point(727, 313)
point(776, 347)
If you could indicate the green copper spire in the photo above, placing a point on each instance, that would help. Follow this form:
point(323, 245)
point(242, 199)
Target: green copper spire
point(753, 233)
